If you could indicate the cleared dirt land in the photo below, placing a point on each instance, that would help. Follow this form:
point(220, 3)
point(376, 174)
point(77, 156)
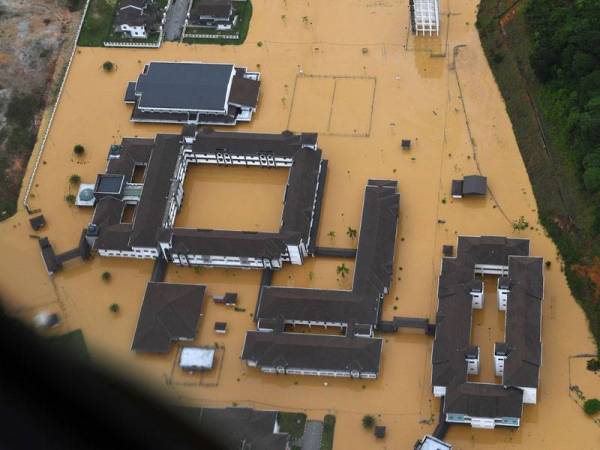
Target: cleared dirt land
point(420, 89)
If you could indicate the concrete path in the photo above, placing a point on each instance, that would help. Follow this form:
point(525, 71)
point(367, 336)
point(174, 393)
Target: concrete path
point(176, 16)
point(312, 435)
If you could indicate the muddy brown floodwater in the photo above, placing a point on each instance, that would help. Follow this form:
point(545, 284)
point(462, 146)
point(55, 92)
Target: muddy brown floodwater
point(353, 73)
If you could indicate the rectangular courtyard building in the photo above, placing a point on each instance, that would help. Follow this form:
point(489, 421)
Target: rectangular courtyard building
point(517, 360)
point(139, 196)
point(193, 93)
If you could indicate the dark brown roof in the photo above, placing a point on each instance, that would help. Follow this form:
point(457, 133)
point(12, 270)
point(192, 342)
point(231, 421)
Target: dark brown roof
point(169, 312)
point(244, 91)
point(372, 273)
point(240, 428)
point(285, 144)
point(523, 322)
point(128, 13)
point(229, 243)
point(157, 184)
point(313, 351)
point(220, 9)
point(484, 400)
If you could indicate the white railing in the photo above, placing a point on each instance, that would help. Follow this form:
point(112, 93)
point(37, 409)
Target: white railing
point(54, 108)
point(211, 36)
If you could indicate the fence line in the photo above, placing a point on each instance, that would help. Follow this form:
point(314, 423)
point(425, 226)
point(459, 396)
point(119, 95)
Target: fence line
point(55, 107)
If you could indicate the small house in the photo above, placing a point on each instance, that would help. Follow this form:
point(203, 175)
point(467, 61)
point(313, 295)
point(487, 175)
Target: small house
point(212, 14)
point(221, 327)
point(137, 18)
point(471, 185)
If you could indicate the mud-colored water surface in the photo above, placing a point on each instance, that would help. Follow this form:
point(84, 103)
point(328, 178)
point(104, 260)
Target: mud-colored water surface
point(352, 72)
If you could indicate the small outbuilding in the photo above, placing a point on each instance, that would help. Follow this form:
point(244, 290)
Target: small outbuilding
point(379, 431)
point(221, 327)
point(406, 143)
point(37, 222)
point(229, 299)
point(471, 185)
point(197, 359)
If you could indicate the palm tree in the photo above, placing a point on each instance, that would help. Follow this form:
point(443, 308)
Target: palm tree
point(351, 232)
point(368, 421)
point(331, 235)
point(74, 179)
point(79, 150)
point(342, 270)
point(108, 66)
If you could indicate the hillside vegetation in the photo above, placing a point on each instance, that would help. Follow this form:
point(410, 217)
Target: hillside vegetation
point(545, 55)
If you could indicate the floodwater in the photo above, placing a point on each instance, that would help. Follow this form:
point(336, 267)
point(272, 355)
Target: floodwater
point(423, 90)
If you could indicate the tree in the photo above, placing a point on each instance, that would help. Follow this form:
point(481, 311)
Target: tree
point(351, 232)
point(520, 224)
point(593, 365)
point(331, 235)
point(591, 178)
point(106, 276)
point(79, 150)
point(74, 179)
point(70, 199)
point(368, 421)
point(342, 270)
point(591, 406)
point(108, 66)
point(114, 308)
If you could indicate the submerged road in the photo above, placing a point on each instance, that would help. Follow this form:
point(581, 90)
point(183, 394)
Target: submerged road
point(176, 16)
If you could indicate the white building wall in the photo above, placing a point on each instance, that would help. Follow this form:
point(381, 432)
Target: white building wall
point(529, 395)
point(502, 299)
point(439, 391)
point(499, 365)
point(477, 300)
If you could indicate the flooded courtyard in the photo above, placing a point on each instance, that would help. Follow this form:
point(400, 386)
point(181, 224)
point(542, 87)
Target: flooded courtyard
point(352, 72)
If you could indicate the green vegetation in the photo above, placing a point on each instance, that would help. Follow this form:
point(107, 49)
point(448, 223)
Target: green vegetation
point(328, 432)
point(70, 199)
point(593, 365)
point(545, 56)
point(292, 423)
point(74, 179)
point(108, 66)
point(98, 23)
point(114, 308)
point(591, 406)
point(351, 233)
point(244, 12)
point(520, 224)
point(331, 235)
point(368, 421)
point(342, 270)
point(79, 150)
point(17, 140)
point(106, 276)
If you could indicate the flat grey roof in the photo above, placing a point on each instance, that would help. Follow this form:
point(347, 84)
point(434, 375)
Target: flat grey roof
point(184, 86)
